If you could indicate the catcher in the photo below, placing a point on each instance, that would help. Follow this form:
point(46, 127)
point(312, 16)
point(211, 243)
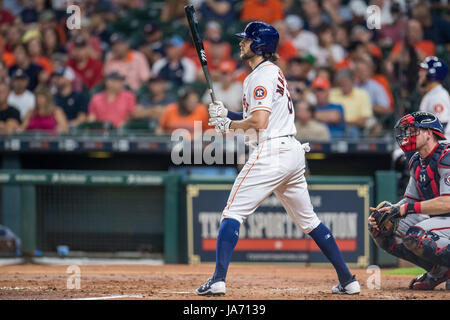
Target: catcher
point(417, 228)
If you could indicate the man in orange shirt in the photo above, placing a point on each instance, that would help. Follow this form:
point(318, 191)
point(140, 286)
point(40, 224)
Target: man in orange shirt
point(129, 63)
point(183, 114)
point(269, 11)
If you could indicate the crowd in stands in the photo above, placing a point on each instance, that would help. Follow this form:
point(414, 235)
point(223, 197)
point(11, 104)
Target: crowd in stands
point(131, 63)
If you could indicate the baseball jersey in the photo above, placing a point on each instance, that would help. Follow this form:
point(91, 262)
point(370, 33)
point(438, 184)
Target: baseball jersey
point(437, 101)
point(265, 88)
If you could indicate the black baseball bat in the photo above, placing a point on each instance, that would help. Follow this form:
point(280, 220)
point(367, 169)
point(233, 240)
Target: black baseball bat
point(198, 44)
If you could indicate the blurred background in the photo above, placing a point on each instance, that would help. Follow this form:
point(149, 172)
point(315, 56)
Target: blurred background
point(86, 113)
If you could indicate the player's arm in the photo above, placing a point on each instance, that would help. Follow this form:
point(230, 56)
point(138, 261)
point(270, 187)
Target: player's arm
point(440, 204)
point(258, 120)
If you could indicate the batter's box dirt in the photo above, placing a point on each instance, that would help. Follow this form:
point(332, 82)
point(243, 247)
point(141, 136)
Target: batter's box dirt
point(175, 282)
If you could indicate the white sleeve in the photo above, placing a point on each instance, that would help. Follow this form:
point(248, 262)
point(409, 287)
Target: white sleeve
point(261, 94)
point(190, 70)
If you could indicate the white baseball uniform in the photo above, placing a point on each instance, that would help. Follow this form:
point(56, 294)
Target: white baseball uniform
point(437, 101)
point(277, 163)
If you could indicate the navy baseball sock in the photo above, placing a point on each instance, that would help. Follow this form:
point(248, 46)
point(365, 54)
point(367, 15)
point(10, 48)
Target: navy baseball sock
point(226, 241)
point(325, 241)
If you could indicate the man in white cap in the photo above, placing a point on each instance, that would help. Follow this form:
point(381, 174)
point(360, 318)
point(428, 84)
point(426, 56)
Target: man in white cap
point(305, 41)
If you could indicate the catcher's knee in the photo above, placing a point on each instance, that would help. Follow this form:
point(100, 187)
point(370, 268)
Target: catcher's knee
point(424, 244)
point(413, 239)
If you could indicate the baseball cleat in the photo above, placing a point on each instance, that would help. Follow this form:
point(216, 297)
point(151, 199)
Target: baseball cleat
point(351, 287)
point(211, 288)
point(426, 282)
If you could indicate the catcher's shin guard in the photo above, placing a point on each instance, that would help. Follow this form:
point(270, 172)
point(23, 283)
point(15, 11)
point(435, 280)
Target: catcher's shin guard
point(423, 244)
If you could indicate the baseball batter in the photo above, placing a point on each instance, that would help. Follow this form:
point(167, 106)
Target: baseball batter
point(276, 163)
point(423, 233)
point(436, 99)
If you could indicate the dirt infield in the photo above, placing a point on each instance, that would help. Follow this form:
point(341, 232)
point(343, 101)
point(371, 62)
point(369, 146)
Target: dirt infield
point(179, 281)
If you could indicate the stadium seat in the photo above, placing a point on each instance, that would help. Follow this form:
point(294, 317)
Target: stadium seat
point(148, 125)
point(95, 126)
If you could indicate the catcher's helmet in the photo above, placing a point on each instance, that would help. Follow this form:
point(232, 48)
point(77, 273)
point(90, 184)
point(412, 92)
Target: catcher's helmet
point(420, 119)
point(265, 37)
point(436, 68)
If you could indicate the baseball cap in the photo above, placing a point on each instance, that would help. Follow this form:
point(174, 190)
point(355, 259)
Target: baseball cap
point(175, 41)
point(65, 72)
point(117, 38)
point(114, 75)
point(157, 78)
point(321, 83)
point(294, 22)
point(19, 73)
point(80, 41)
point(150, 28)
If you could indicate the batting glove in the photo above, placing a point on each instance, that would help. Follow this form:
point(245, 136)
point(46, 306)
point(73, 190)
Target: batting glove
point(221, 124)
point(217, 110)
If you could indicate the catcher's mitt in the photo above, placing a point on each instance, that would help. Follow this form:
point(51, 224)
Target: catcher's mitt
point(387, 222)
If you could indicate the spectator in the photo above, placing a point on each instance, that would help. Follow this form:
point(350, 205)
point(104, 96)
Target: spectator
point(314, 16)
point(115, 104)
point(364, 35)
point(357, 50)
point(269, 11)
point(13, 38)
point(48, 20)
point(20, 97)
point(341, 35)
point(415, 39)
point(219, 10)
point(45, 116)
point(23, 61)
point(9, 116)
point(174, 67)
point(378, 96)
point(216, 49)
point(389, 34)
point(73, 104)
point(98, 27)
point(356, 102)
point(153, 104)
point(6, 17)
point(4, 75)
point(435, 28)
point(129, 63)
point(307, 127)
point(286, 48)
point(305, 41)
point(184, 114)
point(329, 53)
point(87, 68)
point(152, 47)
point(336, 12)
point(173, 10)
point(50, 42)
point(226, 88)
point(300, 72)
point(32, 40)
point(326, 112)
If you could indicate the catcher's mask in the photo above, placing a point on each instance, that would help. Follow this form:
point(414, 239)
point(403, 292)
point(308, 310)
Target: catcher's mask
point(408, 127)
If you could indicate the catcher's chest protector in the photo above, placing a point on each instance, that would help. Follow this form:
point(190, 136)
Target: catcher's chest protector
point(426, 172)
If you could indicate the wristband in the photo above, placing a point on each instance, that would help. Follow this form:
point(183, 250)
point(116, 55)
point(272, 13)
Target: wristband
point(412, 208)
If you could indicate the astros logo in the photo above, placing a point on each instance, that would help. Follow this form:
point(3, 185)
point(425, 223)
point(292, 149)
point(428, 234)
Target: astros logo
point(260, 93)
point(438, 108)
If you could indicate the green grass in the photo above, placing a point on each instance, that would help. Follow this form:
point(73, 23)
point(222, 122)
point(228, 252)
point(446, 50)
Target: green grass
point(405, 271)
